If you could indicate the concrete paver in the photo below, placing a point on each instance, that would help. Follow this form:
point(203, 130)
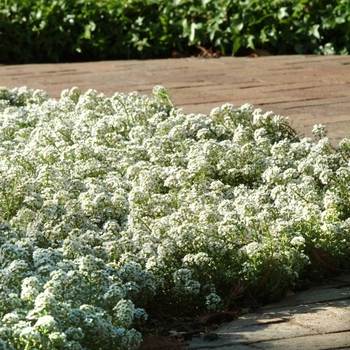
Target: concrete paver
point(318, 318)
point(314, 295)
point(324, 341)
point(256, 333)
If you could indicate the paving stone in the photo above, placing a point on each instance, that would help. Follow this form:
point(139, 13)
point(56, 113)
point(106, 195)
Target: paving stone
point(229, 347)
point(308, 89)
point(339, 303)
point(343, 278)
point(253, 319)
point(253, 334)
point(326, 320)
point(312, 296)
point(316, 325)
point(291, 312)
point(319, 342)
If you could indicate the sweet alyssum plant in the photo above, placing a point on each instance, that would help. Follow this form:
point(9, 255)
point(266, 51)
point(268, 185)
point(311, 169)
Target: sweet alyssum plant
point(110, 205)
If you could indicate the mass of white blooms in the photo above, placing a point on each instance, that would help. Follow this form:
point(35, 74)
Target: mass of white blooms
point(110, 205)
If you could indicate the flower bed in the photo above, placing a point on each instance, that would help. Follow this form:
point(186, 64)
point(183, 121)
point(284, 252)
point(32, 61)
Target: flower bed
point(110, 206)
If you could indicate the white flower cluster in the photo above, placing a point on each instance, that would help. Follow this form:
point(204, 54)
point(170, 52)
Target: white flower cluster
point(109, 204)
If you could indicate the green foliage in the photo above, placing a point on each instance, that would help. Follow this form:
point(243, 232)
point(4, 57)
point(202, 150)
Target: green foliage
point(80, 30)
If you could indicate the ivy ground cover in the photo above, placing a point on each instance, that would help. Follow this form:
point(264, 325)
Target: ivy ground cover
point(37, 31)
point(111, 207)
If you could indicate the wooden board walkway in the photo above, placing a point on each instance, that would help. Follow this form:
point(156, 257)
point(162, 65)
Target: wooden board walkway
point(307, 89)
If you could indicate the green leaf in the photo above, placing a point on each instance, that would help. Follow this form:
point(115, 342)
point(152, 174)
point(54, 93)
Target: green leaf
point(194, 27)
point(282, 13)
point(251, 42)
point(314, 31)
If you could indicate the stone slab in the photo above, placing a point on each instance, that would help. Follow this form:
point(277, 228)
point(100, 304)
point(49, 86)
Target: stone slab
point(319, 342)
point(313, 342)
point(313, 295)
point(326, 320)
point(229, 347)
point(253, 334)
point(319, 317)
point(343, 279)
point(278, 327)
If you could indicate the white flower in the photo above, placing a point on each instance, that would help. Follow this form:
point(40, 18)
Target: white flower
point(31, 335)
point(30, 288)
point(298, 241)
point(124, 313)
point(46, 322)
point(252, 248)
point(212, 301)
point(319, 131)
point(58, 339)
